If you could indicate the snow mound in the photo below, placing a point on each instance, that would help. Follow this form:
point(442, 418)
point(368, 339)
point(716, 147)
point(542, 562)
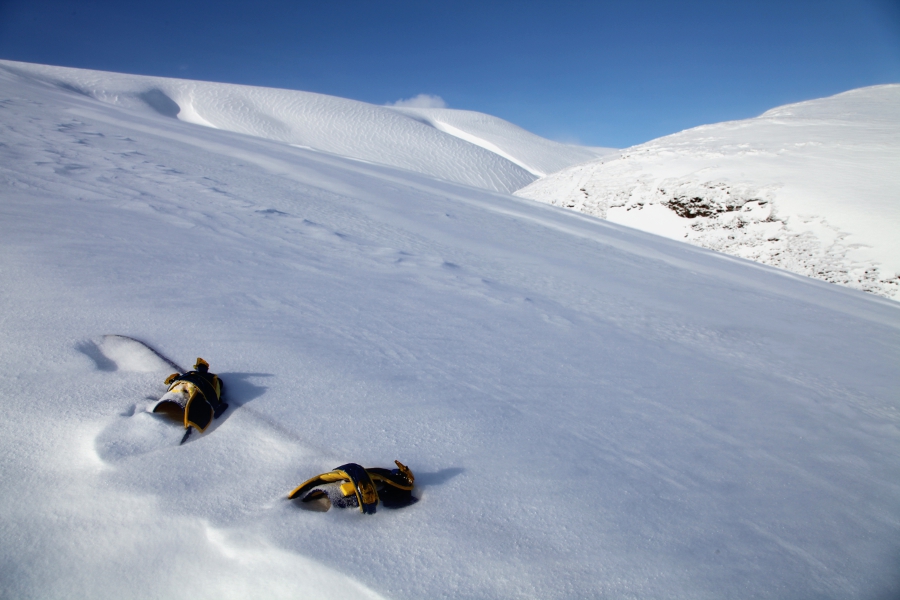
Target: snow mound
point(480, 150)
point(812, 187)
point(128, 354)
point(139, 432)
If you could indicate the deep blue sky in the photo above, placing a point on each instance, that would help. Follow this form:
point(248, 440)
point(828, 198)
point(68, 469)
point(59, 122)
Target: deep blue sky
point(601, 73)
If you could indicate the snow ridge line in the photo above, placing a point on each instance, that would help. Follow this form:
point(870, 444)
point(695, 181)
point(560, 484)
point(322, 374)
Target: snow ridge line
point(473, 139)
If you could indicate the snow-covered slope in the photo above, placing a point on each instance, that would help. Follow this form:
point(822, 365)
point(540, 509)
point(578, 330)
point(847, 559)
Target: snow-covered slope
point(812, 187)
point(478, 149)
point(533, 153)
point(589, 410)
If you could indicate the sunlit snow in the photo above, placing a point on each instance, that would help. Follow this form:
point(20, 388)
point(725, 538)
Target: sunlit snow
point(408, 138)
point(812, 187)
point(589, 410)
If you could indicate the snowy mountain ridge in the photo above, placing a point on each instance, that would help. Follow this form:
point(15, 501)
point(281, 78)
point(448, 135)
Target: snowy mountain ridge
point(460, 146)
point(811, 187)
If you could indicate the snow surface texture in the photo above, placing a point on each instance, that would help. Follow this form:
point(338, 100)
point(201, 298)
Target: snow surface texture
point(813, 188)
point(535, 154)
point(459, 146)
point(589, 410)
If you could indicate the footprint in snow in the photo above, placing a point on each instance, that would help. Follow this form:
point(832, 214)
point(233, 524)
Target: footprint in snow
point(140, 433)
point(137, 430)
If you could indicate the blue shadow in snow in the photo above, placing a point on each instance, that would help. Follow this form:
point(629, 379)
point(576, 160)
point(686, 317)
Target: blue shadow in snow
point(92, 351)
point(437, 477)
point(239, 390)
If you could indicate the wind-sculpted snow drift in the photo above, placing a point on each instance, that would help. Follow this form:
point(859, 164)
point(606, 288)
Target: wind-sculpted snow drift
point(479, 150)
point(813, 188)
point(589, 410)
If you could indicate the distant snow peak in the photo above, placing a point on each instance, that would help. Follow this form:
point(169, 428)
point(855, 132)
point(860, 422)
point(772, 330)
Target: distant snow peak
point(421, 101)
point(812, 188)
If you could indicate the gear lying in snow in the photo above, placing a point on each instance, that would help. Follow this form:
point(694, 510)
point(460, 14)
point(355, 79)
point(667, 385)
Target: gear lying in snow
point(195, 398)
point(352, 485)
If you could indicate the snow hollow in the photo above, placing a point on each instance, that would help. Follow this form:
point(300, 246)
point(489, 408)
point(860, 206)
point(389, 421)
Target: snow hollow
point(589, 410)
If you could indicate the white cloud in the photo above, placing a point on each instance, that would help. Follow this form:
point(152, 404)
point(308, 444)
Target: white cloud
point(421, 101)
